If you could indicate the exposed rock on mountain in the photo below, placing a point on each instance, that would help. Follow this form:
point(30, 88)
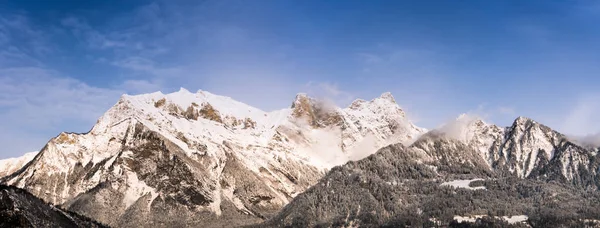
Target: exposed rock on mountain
point(18, 208)
point(198, 159)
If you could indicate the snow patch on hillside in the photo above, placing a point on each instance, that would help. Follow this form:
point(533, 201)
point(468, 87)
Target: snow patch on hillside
point(510, 219)
point(463, 184)
point(515, 219)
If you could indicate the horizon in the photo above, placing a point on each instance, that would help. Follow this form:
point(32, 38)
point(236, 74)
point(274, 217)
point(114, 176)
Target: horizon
point(65, 64)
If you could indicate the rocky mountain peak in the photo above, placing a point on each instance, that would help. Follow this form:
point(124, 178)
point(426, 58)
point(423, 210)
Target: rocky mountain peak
point(356, 104)
point(528, 126)
point(384, 104)
point(317, 113)
point(302, 102)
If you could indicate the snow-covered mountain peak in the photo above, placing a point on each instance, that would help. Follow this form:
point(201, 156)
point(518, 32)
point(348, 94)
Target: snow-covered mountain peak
point(470, 118)
point(385, 104)
point(192, 106)
point(302, 103)
point(385, 101)
point(356, 104)
point(524, 125)
point(183, 90)
point(388, 97)
point(521, 121)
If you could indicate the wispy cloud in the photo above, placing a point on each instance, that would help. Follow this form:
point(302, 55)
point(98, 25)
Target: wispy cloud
point(22, 42)
point(34, 102)
point(329, 91)
point(506, 110)
point(148, 66)
point(26, 90)
point(591, 139)
point(92, 37)
point(458, 127)
point(370, 58)
point(583, 116)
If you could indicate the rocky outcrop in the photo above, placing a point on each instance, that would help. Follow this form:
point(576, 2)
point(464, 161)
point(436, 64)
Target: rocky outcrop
point(317, 114)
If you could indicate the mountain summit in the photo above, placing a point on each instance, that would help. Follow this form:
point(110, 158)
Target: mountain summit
point(200, 159)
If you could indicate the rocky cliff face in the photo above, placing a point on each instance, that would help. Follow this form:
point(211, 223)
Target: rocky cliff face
point(198, 159)
point(528, 149)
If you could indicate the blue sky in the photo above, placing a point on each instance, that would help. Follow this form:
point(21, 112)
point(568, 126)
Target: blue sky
point(63, 63)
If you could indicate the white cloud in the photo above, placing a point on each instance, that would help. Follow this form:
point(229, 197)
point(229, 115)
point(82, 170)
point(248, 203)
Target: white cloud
point(506, 110)
point(21, 41)
point(42, 98)
point(134, 44)
point(582, 119)
point(370, 58)
point(36, 104)
point(141, 86)
point(93, 37)
point(460, 127)
point(145, 65)
point(329, 92)
point(592, 139)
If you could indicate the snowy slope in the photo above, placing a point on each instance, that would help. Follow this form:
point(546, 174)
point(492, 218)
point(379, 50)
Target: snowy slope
point(10, 165)
point(198, 153)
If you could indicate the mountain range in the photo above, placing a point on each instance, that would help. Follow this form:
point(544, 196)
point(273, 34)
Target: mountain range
point(200, 159)
point(204, 160)
point(525, 171)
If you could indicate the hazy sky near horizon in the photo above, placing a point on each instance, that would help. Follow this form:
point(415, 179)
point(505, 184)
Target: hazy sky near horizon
point(64, 63)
